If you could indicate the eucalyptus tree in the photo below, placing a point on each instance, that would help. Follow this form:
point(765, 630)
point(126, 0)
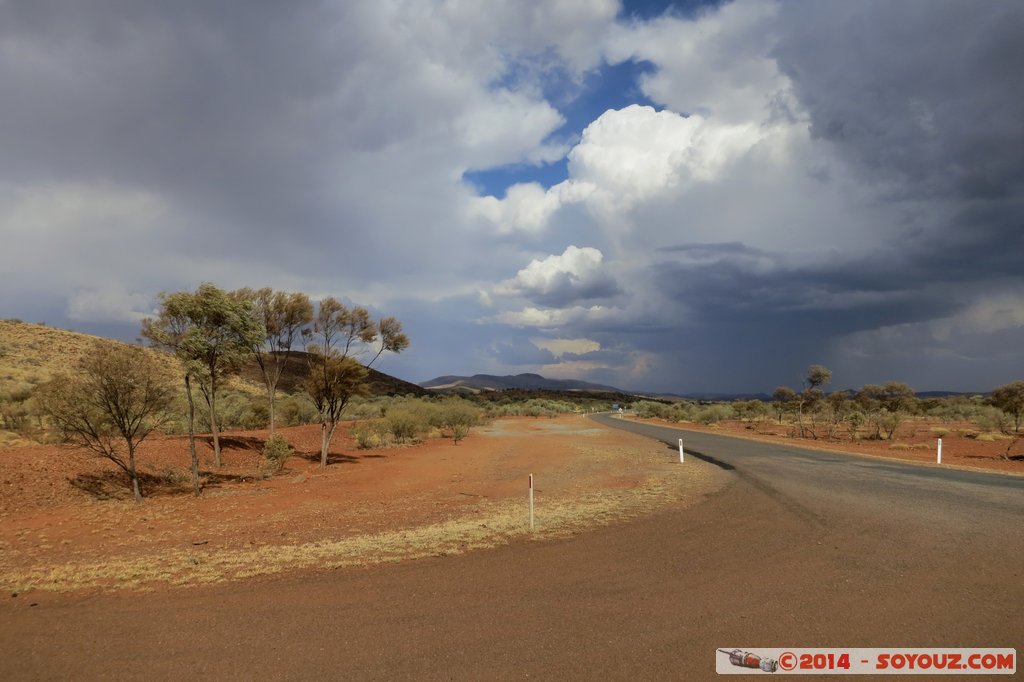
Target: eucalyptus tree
point(116, 399)
point(212, 333)
point(284, 316)
point(1010, 399)
point(339, 337)
point(815, 377)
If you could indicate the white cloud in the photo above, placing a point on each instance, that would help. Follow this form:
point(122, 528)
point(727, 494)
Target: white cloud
point(635, 153)
point(527, 207)
point(60, 238)
point(506, 127)
point(576, 274)
point(559, 347)
point(624, 158)
point(718, 66)
point(550, 318)
point(109, 305)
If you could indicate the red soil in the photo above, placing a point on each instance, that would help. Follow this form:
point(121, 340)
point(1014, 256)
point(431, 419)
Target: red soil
point(46, 517)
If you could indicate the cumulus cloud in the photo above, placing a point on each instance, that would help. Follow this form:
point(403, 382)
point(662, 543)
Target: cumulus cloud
point(578, 274)
point(624, 158)
point(718, 66)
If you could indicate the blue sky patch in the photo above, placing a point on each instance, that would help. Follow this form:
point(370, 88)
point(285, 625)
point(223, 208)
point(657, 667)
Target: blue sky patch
point(610, 87)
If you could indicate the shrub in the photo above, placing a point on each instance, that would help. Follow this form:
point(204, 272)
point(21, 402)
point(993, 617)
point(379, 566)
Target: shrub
point(939, 432)
point(712, 414)
point(992, 419)
point(370, 434)
point(855, 419)
point(276, 450)
point(296, 409)
point(360, 409)
point(459, 416)
point(407, 424)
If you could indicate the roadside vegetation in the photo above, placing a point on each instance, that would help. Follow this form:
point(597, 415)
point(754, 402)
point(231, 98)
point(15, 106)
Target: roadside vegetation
point(203, 340)
point(873, 412)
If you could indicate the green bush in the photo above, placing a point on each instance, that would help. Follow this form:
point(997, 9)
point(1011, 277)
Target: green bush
point(238, 410)
point(296, 409)
point(14, 408)
point(713, 414)
point(407, 423)
point(276, 450)
point(993, 419)
point(458, 416)
point(370, 434)
point(374, 408)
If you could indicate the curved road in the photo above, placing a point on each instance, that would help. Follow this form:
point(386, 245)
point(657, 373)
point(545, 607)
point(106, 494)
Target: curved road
point(797, 548)
point(904, 497)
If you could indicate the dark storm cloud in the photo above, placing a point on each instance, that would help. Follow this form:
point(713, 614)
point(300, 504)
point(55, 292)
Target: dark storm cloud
point(519, 352)
point(925, 93)
point(834, 298)
point(923, 100)
point(566, 290)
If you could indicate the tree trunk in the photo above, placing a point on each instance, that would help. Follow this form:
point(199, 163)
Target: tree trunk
point(271, 390)
point(192, 435)
point(133, 473)
point(211, 400)
point(326, 434)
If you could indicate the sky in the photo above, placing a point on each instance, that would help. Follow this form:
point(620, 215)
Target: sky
point(671, 197)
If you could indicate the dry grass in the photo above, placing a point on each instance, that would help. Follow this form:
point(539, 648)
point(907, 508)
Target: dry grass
point(30, 354)
point(488, 524)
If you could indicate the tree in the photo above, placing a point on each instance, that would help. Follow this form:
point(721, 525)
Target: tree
point(211, 332)
point(332, 383)
point(837, 407)
point(897, 397)
point(886, 406)
point(783, 397)
point(338, 334)
point(1010, 399)
point(284, 316)
point(118, 398)
point(815, 377)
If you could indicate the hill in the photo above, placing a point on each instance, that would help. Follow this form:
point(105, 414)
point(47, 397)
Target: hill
point(297, 369)
point(32, 353)
point(490, 382)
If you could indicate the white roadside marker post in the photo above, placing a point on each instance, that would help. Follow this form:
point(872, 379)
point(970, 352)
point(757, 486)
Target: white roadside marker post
point(531, 501)
point(939, 454)
point(680, 450)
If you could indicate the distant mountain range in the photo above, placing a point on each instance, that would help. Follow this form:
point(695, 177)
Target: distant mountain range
point(490, 382)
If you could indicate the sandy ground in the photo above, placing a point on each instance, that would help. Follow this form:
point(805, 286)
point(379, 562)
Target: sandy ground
point(60, 530)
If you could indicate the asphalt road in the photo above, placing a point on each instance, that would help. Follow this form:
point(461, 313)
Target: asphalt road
point(833, 487)
point(796, 549)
